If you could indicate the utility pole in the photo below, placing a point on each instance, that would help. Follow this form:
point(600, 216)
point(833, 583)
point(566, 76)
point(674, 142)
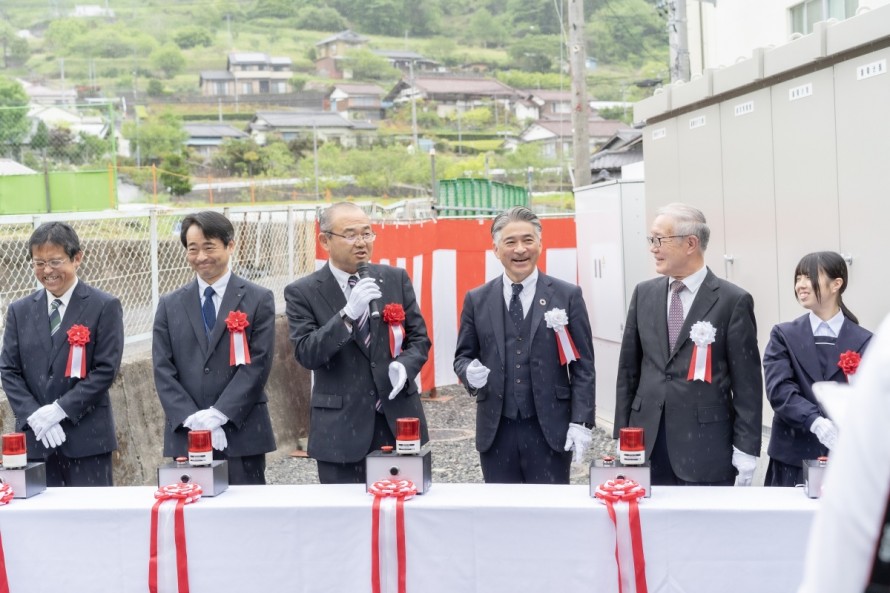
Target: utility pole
point(580, 107)
point(678, 39)
point(413, 104)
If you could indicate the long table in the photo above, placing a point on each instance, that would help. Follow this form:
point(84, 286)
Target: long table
point(460, 538)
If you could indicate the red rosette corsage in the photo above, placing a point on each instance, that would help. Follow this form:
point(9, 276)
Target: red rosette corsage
point(849, 362)
point(79, 335)
point(394, 315)
point(239, 353)
point(78, 338)
point(237, 321)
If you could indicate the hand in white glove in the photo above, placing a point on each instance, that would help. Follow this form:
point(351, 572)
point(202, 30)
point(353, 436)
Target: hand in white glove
point(825, 431)
point(45, 418)
point(745, 463)
point(398, 376)
point(578, 441)
point(218, 438)
point(191, 423)
point(53, 437)
point(207, 419)
point(364, 291)
point(477, 374)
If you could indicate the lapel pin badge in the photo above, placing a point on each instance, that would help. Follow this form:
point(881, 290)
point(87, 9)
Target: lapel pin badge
point(543, 302)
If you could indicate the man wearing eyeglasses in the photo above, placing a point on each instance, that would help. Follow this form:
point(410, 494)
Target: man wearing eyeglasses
point(689, 367)
point(61, 352)
point(362, 381)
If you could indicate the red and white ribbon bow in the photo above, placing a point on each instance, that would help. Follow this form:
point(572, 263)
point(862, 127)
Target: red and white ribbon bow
point(703, 335)
point(388, 551)
point(628, 532)
point(394, 315)
point(168, 559)
point(78, 338)
point(239, 353)
point(6, 495)
point(557, 320)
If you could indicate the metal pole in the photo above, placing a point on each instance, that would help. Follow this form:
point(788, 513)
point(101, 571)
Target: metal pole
point(155, 267)
point(413, 104)
point(580, 107)
point(291, 272)
point(433, 172)
point(315, 153)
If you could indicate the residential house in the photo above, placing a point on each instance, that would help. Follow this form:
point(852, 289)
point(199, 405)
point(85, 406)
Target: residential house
point(453, 93)
point(54, 116)
point(555, 135)
point(205, 139)
point(406, 60)
point(623, 148)
point(356, 101)
point(248, 73)
point(11, 167)
point(321, 125)
point(329, 54)
point(91, 11)
point(44, 95)
point(546, 104)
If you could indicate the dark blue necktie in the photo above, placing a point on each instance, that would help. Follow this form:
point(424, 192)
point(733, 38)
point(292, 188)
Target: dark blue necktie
point(208, 311)
point(516, 307)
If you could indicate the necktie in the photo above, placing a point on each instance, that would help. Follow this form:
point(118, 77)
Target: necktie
point(363, 334)
point(55, 318)
point(516, 306)
point(208, 311)
point(675, 313)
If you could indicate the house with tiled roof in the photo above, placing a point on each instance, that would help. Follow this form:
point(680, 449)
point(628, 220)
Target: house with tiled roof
point(356, 101)
point(248, 73)
point(322, 126)
point(451, 93)
point(555, 136)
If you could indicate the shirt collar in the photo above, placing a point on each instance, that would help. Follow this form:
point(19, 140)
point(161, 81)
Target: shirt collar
point(835, 323)
point(340, 276)
point(65, 298)
point(219, 287)
point(693, 282)
point(530, 280)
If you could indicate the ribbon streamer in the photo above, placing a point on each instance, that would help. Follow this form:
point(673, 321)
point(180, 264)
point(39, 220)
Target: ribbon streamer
point(6, 495)
point(173, 552)
point(77, 363)
point(389, 496)
point(700, 364)
point(396, 339)
point(628, 532)
point(567, 351)
point(239, 353)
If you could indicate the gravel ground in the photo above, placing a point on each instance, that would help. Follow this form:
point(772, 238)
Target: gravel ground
point(452, 420)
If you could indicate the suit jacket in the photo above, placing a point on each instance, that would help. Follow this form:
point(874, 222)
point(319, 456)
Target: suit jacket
point(347, 377)
point(703, 420)
point(562, 394)
point(791, 366)
point(192, 372)
point(33, 364)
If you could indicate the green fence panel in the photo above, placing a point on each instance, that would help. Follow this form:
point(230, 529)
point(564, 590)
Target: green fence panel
point(466, 196)
point(22, 194)
point(80, 191)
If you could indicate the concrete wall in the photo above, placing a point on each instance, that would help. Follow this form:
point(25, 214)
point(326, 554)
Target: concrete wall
point(139, 418)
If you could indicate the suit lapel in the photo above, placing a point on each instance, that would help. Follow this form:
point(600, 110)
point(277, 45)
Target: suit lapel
point(72, 313)
point(232, 297)
point(706, 297)
point(852, 337)
point(332, 294)
point(191, 304)
point(802, 341)
point(41, 321)
point(543, 295)
point(657, 301)
point(494, 308)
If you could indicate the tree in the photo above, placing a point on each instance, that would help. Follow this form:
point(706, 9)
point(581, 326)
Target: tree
point(322, 18)
point(174, 174)
point(366, 65)
point(535, 53)
point(12, 44)
point(155, 87)
point(281, 9)
point(156, 137)
point(627, 32)
point(14, 125)
point(61, 33)
point(485, 29)
point(168, 59)
point(193, 36)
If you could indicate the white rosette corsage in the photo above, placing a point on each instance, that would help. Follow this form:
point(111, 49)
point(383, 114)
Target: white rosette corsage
point(557, 320)
point(702, 334)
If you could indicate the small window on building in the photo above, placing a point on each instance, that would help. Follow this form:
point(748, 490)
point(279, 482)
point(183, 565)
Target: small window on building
point(806, 14)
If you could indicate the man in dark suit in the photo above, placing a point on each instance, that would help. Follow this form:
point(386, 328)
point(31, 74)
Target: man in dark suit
point(195, 328)
point(63, 407)
point(360, 385)
point(704, 430)
point(534, 411)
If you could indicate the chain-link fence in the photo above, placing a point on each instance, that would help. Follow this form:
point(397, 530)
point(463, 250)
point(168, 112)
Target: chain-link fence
point(138, 256)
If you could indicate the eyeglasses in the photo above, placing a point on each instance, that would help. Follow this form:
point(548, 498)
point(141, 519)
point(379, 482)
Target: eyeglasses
point(366, 237)
point(657, 241)
point(55, 264)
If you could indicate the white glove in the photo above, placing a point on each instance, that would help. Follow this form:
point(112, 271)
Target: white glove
point(364, 291)
point(745, 464)
point(578, 441)
point(825, 431)
point(206, 419)
point(45, 418)
point(477, 374)
point(53, 437)
point(218, 438)
point(398, 376)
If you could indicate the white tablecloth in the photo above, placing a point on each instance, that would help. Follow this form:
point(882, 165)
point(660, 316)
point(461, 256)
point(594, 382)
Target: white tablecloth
point(461, 538)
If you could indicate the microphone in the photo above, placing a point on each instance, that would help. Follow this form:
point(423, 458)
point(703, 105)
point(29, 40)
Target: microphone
point(362, 271)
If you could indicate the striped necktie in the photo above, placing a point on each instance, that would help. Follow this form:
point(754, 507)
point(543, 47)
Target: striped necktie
point(55, 318)
point(363, 335)
point(675, 313)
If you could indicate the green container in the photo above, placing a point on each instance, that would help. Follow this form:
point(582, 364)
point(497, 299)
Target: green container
point(475, 197)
